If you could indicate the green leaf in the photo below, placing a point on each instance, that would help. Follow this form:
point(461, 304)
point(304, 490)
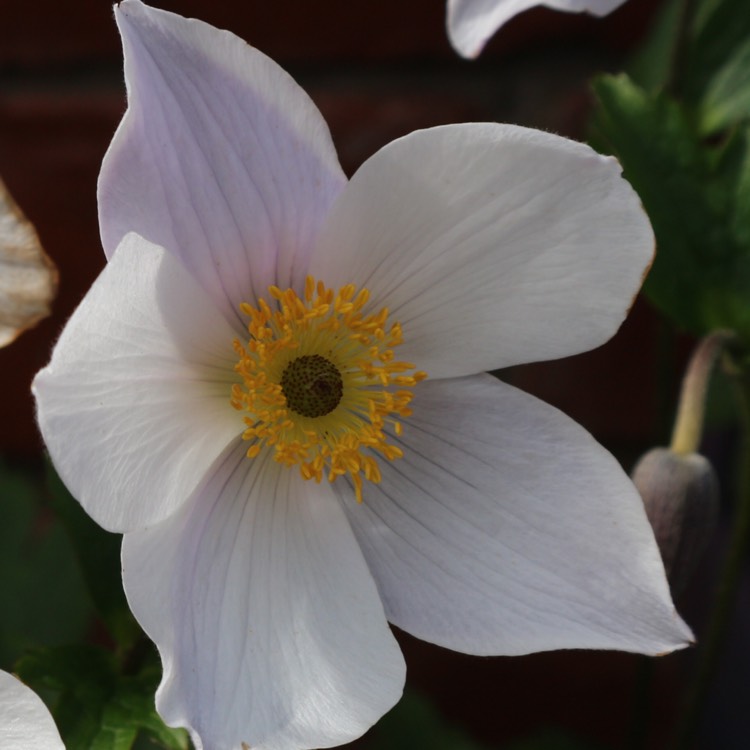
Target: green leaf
point(651, 65)
point(95, 707)
point(98, 554)
point(80, 680)
point(712, 79)
point(135, 704)
point(716, 76)
point(696, 194)
point(38, 572)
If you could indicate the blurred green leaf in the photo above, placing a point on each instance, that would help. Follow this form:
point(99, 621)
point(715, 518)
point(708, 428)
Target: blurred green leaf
point(697, 195)
point(651, 65)
point(98, 553)
point(135, 703)
point(712, 79)
point(45, 600)
point(94, 706)
point(716, 75)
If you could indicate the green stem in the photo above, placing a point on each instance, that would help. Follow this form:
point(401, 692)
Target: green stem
point(710, 647)
point(684, 22)
point(688, 427)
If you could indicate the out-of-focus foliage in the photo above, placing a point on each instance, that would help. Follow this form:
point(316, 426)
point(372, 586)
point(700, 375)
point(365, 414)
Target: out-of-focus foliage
point(45, 602)
point(680, 125)
point(98, 554)
point(697, 195)
point(62, 574)
point(95, 705)
point(704, 60)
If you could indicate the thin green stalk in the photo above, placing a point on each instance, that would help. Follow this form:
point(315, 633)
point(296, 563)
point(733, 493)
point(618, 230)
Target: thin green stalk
point(688, 426)
point(711, 644)
point(684, 23)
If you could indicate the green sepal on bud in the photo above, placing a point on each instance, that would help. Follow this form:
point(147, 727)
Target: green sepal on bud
point(681, 495)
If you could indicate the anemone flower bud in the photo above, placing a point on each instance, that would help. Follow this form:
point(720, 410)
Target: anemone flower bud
point(681, 496)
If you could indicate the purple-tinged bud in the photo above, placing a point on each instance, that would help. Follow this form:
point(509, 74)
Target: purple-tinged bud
point(681, 497)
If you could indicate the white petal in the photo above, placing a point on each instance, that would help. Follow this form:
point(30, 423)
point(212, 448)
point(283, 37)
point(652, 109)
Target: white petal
point(491, 244)
point(267, 620)
point(134, 405)
point(506, 529)
point(28, 278)
point(221, 158)
point(471, 23)
point(25, 721)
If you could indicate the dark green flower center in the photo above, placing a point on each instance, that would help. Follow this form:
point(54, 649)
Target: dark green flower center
point(312, 386)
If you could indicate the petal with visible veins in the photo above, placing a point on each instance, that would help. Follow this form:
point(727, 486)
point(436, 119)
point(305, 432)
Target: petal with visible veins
point(491, 244)
point(506, 529)
point(221, 158)
point(269, 625)
point(134, 404)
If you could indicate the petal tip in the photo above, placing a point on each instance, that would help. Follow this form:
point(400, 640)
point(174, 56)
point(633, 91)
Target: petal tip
point(682, 636)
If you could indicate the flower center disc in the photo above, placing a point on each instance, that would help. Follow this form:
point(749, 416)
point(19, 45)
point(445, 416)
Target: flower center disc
point(320, 382)
point(312, 386)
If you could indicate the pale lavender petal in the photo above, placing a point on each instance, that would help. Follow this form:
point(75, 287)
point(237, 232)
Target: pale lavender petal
point(506, 529)
point(471, 23)
point(134, 405)
point(266, 617)
point(491, 244)
point(221, 158)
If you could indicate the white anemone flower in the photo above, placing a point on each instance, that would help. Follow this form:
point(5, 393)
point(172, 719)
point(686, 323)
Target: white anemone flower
point(471, 23)
point(25, 721)
point(242, 392)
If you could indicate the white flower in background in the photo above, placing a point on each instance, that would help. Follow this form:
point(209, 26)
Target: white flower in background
point(25, 722)
point(471, 23)
point(28, 278)
point(261, 330)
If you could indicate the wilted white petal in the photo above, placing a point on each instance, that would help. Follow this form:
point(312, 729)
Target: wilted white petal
point(267, 620)
point(472, 22)
point(25, 722)
point(28, 278)
point(134, 405)
point(221, 158)
point(491, 244)
point(506, 529)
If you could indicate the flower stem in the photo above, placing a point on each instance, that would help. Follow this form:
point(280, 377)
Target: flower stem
point(710, 647)
point(684, 22)
point(688, 427)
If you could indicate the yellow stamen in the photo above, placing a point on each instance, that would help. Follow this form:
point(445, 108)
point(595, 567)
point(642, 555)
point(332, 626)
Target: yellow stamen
point(342, 382)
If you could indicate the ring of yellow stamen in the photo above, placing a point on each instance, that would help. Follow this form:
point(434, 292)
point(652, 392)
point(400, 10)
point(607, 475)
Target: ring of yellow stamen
point(320, 382)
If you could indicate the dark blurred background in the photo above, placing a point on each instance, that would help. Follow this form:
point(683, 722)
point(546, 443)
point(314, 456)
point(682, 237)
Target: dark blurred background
point(377, 69)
